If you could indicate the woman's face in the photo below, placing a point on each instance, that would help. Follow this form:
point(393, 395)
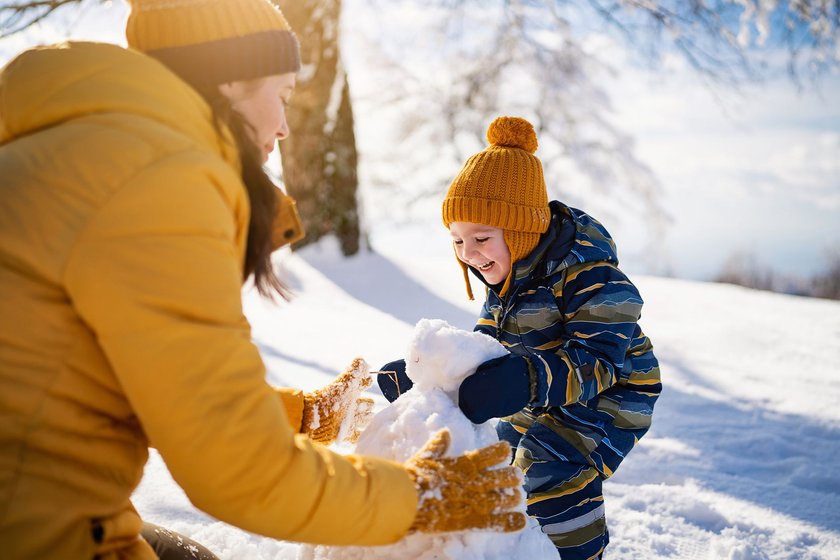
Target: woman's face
point(263, 103)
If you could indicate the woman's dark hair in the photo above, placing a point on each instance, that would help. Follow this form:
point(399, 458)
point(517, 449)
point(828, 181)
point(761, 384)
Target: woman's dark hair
point(261, 194)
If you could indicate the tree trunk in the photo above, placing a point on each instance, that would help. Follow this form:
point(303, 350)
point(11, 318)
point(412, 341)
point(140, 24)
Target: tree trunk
point(319, 156)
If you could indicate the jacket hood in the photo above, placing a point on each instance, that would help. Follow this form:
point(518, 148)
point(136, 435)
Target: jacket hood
point(586, 238)
point(573, 237)
point(46, 86)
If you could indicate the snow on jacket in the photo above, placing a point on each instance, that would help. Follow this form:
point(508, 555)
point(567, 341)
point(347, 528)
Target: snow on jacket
point(575, 315)
point(122, 235)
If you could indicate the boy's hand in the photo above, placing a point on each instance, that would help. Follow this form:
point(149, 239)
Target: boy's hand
point(393, 381)
point(326, 410)
point(465, 492)
point(499, 387)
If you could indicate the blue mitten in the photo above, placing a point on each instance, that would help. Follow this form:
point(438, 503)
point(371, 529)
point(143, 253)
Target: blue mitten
point(396, 383)
point(499, 387)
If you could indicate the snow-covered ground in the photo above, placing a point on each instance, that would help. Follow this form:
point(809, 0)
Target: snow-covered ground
point(741, 462)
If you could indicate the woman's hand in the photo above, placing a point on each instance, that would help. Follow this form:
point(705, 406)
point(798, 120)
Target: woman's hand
point(337, 410)
point(476, 490)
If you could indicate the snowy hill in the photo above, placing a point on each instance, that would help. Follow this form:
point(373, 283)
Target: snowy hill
point(741, 462)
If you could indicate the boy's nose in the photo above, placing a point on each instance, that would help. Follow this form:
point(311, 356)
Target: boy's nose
point(469, 251)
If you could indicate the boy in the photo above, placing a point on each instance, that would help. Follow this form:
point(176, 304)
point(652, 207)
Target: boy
point(578, 388)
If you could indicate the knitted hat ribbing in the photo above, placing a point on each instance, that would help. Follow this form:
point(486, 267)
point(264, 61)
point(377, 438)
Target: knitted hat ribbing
point(502, 186)
point(210, 42)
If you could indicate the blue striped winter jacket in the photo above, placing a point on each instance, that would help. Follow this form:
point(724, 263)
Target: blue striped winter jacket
point(575, 315)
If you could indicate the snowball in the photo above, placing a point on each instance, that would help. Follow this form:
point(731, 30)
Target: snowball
point(442, 356)
point(439, 357)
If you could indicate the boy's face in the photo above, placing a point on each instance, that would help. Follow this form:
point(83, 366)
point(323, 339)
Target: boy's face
point(483, 248)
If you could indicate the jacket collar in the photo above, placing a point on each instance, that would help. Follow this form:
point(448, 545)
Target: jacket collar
point(573, 237)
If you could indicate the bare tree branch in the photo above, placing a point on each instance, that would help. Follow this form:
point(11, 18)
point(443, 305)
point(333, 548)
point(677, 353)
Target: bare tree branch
point(17, 16)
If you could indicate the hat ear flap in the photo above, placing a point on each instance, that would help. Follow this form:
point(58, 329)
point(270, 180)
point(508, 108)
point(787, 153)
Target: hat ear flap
point(520, 244)
point(466, 272)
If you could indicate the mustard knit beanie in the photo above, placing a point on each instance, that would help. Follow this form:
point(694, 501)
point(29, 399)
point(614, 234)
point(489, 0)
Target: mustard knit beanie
point(502, 186)
point(211, 42)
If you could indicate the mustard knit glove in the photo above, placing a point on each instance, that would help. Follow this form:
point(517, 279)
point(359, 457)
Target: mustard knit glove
point(465, 492)
point(337, 411)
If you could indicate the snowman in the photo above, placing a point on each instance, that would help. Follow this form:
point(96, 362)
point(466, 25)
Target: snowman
point(439, 357)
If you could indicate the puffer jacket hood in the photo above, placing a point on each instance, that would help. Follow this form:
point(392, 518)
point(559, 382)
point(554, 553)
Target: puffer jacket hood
point(43, 87)
point(573, 237)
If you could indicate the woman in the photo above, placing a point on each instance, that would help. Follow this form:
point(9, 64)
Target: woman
point(135, 204)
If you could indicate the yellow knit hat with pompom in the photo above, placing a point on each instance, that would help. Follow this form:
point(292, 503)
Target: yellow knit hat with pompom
point(502, 186)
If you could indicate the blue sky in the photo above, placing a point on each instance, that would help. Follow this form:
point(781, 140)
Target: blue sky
point(757, 172)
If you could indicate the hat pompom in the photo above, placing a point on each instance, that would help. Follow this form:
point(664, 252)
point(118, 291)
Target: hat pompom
point(512, 132)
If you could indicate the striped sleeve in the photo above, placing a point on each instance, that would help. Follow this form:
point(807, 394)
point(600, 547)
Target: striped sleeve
point(486, 323)
point(601, 308)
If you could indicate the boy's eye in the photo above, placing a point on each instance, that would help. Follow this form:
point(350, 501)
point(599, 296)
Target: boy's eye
point(457, 242)
point(481, 239)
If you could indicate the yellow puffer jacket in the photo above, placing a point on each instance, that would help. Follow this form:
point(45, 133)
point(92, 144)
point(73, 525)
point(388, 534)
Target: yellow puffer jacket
point(122, 232)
